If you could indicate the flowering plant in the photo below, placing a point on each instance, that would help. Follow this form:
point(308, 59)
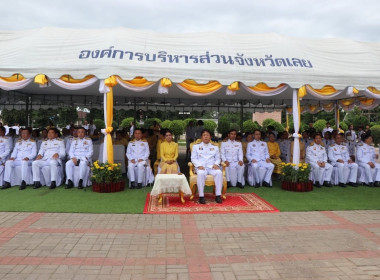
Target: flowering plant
point(106, 172)
point(295, 173)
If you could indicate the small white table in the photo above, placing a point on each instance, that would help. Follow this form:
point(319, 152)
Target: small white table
point(170, 183)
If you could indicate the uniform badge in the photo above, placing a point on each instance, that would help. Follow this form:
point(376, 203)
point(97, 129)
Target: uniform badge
point(200, 148)
point(262, 144)
point(85, 143)
point(314, 148)
point(142, 144)
point(211, 149)
point(1, 141)
point(334, 149)
point(254, 145)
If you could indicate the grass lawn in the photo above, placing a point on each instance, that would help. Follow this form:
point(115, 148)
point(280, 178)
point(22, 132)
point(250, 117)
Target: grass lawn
point(132, 201)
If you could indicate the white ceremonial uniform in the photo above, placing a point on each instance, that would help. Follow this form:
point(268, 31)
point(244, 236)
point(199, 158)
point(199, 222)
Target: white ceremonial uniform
point(351, 142)
point(307, 142)
point(285, 149)
point(23, 149)
point(262, 170)
point(67, 142)
point(82, 150)
point(365, 154)
point(137, 150)
point(317, 153)
point(348, 172)
point(5, 148)
point(47, 150)
point(327, 143)
point(232, 151)
point(326, 129)
point(207, 155)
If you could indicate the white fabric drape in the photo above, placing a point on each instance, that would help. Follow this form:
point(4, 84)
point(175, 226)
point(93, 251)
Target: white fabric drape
point(274, 92)
point(74, 86)
point(314, 93)
point(296, 143)
point(104, 89)
point(14, 85)
point(370, 94)
point(133, 88)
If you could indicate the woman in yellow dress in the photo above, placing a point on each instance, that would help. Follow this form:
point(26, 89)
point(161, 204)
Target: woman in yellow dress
point(169, 155)
point(274, 153)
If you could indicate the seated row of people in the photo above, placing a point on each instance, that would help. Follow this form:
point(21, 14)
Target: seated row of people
point(52, 153)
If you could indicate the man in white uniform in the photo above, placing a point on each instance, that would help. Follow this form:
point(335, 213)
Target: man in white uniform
point(5, 148)
point(23, 154)
point(285, 146)
point(367, 158)
point(51, 153)
point(339, 157)
point(258, 156)
point(138, 155)
point(231, 152)
point(206, 159)
point(80, 153)
point(316, 156)
point(327, 128)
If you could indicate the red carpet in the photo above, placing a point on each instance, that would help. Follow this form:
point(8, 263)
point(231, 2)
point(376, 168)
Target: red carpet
point(235, 203)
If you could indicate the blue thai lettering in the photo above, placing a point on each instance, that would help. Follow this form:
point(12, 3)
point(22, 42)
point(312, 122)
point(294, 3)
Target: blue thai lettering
point(297, 62)
point(147, 57)
point(307, 64)
point(95, 54)
point(280, 62)
point(259, 62)
point(162, 56)
point(227, 61)
point(107, 52)
point(248, 61)
point(140, 56)
point(204, 58)
point(194, 58)
point(288, 61)
point(130, 54)
point(173, 58)
point(115, 52)
point(217, 60)
point(269, 57)
point(84, 54)
point(185, 57)
point(239, 59)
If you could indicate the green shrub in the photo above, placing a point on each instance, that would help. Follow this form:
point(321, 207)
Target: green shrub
point(99, 123)
point(177, 127)
point(210, 125)
point(375, 132)
point(166, 124)
point(343, 125)
point(125, 123)
point(319, 125)
point(250, 126)
point(223, 126)
point(149, 122)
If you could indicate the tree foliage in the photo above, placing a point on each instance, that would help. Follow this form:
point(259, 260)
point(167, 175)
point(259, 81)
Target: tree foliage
point(166, 124)
point(250, 126)
point(319, 125)
point(375, 133)
point(210, 125)
point(125, 123)
point(149, 122)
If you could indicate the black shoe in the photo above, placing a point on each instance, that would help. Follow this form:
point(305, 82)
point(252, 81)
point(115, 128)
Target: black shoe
point(317, 184)
point(239, 185)
point(80, 184)
point(377, 184)
point(6, 185)
point(218, 199)
point(229, 185)
point(327, 184)
point(352, 184)
point(69, 184)
point(201, 200)
point(22, 186)
point(371, 184)
point(257, 185)
point(53, 185)
point(132, 185)
point(37, 185)
point(342, 185)
point(266, 184)
point(139, 185)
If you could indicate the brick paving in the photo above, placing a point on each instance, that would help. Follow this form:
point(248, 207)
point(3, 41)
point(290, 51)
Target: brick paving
point(305, 245)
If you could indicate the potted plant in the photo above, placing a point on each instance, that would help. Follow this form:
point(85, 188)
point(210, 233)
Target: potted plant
point(107, 177)
point(296, 177)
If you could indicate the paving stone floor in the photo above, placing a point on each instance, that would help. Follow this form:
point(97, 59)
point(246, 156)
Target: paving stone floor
point(302, 245)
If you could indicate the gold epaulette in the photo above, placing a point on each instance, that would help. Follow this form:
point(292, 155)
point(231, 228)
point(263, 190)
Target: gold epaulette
point(225, 140)
point(312, 144)
point(59, 139)
point(32, 140)
point(144, 140)
point(19, 140)
point(87, 138)
point(132, 141)
point(361, 144)
point(332, 145)
point(322, 144)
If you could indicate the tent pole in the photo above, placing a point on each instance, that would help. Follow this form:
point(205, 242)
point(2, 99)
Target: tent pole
point(27, 110)
point(134, 108)
point(241, 115)
point(336, 115)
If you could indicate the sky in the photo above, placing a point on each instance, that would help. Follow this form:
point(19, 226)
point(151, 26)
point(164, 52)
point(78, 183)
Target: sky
point(350, 19)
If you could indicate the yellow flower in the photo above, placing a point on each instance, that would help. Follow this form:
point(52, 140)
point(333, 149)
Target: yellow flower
point(293, 164)
point(109, 168)
point(302, 169)
point(300, 165)
point(101, 167)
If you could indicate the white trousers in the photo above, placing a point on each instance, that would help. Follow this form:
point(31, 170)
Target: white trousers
point(235, 173)
point(83, 164)
point(372, 174)
point(10, 164)
point(201, 179)
point(136, 171)
point(38, 164)
point(262, 171)
point(348, 172)
point(321, 174)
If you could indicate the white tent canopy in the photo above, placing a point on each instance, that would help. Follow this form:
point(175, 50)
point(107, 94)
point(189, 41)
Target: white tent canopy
point(187, 70)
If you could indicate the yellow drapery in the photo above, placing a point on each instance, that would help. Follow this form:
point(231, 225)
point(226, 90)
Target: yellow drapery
point(41, 79)
point(165, 82)
point(347, 102)
point(69, 79)
point(263, 87)
point(110, 82)
point(13, 78)
point(366, 101)
point(235, 86)
point(193, 86)
point(136, 82)
point(325, 91)
point(373, 90)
